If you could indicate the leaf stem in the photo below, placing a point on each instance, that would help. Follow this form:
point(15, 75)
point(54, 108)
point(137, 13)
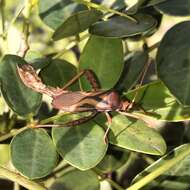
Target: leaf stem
point(69, 46)
point(20, 179)
point(12, 133)
point(104, 8)
point(114, 184)
point(159, 171)
point(154, 46)
point(51, 119)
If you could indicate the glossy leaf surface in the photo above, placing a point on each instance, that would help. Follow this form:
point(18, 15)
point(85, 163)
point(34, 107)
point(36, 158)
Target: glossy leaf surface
point(81, 146)
point(77, 180)
point(135, 135)
point(33, 153)
point(77, 23)
point(174, 165)
point(173, 61)
point(105, 57)
point(120, 27)
point(20, 98)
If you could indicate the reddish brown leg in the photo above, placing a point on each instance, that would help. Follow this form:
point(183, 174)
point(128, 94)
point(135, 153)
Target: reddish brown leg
point(71, 123)
point(89, 75)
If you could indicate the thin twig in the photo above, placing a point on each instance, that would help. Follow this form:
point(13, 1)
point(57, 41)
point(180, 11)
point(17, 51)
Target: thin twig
point(20, 179)
point(69, 46)
point(12, 133)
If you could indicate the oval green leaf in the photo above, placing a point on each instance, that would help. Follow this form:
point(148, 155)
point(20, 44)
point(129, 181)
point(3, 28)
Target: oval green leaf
point(175, 7)
point(173, 61)
point(58, 72)
point(105, 57)
point(113, 160)
point(120, 27)
point(114, 4)
point(134, 64)
point(77, 180)
point(166, 169)
point(81, 146)
point(54, 13)
point(135, 135)
point(33, 153)
point(19, 98)
point(77, 23)
point(158, 103)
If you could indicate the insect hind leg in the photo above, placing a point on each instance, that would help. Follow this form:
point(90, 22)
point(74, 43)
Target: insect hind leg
point(90, 77)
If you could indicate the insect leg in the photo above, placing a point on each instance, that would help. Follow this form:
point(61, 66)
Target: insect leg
point(71, 123)
point(89, 75)
point(141, 81)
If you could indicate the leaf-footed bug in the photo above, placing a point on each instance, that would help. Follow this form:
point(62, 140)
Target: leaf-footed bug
point(95, 101)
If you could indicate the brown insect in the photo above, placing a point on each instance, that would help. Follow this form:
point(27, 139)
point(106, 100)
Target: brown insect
point(95, 101)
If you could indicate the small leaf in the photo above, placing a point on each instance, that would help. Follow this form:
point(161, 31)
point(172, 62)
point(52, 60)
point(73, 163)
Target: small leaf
point(81, 146)
point(33, 153)
point(113, 160)
point(114, 4)
point(158, 103)
point(154, 2)
point(134, 64)
point(135, 135)
point(54, 13)
point(120, 27)
point(20, 98)
point(58, 72)
point(173, 61)
point(77, 180)
point(77, 23)
point(100, 54)
point(175, 7)
point(174, 165)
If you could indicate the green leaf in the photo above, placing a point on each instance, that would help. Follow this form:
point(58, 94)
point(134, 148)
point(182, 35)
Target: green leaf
point(100, 54)
point(175, 7)
point(33, 153)
point(19, 98)
point(54, 13)
point(174, 165)
point(114, 4)
point(173, 61)
point(81, 146)
point(77, 180)
point(58, 72)
point(77, 23)
point(158, 103)
point(135, 135)
point(134, 64)
point(120, 27)
point(113, 160)
point(154, 2)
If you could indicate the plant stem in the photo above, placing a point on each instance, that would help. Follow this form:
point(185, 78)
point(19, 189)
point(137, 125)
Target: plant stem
point(69, 46)
point(12, 133)
point(114, 184)
point(50, 119)
point(104, 8)
point(159, 171)
point(20, 179)
point(154, 46)
point(2, 6)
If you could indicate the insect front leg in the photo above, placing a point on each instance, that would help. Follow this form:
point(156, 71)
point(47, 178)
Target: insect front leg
point(90, 77)
point(71, 123)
